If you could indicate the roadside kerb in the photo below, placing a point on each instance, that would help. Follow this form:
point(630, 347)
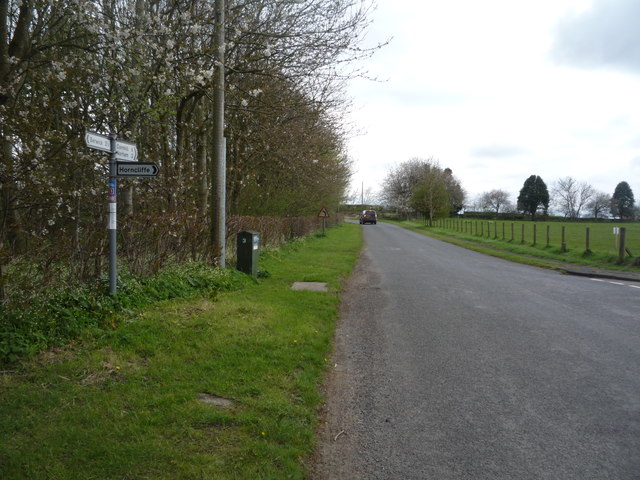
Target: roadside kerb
point(632, 277)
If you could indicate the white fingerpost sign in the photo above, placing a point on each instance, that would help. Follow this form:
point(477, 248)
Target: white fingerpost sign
point(119, 151)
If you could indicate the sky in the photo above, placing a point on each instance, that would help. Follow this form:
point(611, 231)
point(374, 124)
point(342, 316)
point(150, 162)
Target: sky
point(498, 90)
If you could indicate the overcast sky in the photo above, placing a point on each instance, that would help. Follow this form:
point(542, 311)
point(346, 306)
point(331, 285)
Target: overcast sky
point(498, 90)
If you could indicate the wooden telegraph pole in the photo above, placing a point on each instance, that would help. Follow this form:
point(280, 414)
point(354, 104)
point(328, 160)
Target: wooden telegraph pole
point(219, 170)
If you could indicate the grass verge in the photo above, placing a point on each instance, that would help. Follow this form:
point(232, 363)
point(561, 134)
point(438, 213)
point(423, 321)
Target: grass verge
point(133, 402)
point(60, 316)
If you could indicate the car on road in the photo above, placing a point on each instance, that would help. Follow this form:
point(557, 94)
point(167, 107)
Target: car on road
point(368, 216)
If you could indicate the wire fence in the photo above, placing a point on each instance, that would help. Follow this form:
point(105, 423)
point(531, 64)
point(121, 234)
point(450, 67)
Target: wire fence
point(621, 240)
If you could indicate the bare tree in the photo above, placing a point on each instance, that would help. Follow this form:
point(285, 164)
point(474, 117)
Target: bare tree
point(495, 200)
point(571, 196)
point(599, 204)
point(359, 196)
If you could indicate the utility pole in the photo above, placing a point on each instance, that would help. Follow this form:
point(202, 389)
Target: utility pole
point(219, 169)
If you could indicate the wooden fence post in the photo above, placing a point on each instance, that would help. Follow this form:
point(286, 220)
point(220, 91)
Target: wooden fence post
point(482, 229)
point(588, 250)
point(535, 232)
point(512, 231)
point(623, 232)
point(563, 245)
point(522, 239)
point(503, 231)
point(548, 236)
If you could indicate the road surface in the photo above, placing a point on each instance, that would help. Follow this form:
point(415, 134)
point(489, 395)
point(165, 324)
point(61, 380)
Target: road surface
point(450, 364)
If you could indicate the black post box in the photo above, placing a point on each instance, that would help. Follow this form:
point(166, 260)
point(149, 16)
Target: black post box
point(247, 250)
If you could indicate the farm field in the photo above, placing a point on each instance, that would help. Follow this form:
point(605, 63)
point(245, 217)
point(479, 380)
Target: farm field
point(545, 239)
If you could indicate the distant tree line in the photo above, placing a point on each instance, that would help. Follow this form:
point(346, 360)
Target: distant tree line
point(144, 69)
point(567, 196)
point(422, 186)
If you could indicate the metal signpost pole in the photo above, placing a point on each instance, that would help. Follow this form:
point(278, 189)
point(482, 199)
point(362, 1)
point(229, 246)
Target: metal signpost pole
point(113, 196)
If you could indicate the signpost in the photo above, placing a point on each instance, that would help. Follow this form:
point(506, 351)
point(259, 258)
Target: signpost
point(136, 169)
point(97, 142)
point(127, 166)
point(323, 214)
point(125, 151)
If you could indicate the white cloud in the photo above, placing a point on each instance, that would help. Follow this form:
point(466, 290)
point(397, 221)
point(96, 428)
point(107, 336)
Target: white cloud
point(478, 86)
point(604, 36)
point(498, 151)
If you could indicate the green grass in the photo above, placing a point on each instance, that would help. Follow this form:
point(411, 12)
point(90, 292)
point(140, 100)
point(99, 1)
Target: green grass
point(601, 237)
point(60, 315)
point(123, 403)
point(603, 251)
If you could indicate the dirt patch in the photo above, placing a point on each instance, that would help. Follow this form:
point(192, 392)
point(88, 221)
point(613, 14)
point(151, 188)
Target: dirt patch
point(214, 400)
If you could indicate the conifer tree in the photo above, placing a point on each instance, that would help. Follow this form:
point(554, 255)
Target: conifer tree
point(534, 196)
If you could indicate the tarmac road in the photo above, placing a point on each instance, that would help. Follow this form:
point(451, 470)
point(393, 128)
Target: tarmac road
point(450, 364)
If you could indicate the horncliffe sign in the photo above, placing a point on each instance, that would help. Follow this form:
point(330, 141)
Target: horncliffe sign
point(122, 163)
point(136, 169)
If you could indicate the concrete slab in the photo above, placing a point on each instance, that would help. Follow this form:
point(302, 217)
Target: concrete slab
point(314, 286)
point(214, 400)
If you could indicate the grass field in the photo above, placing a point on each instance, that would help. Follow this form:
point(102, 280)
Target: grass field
point(132, 402)
point(603, 244)
point(601, 237)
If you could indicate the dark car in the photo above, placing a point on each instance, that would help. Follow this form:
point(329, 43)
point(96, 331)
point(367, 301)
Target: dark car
point(368, 216)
